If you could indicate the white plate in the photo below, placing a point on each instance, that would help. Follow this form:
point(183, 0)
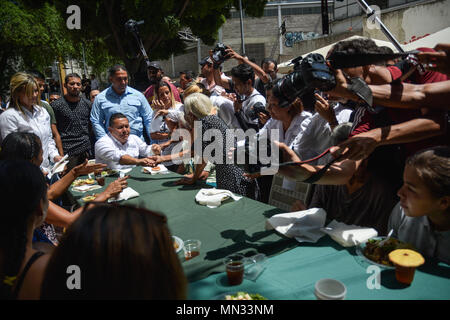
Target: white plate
point(179, 242)
point(360, 251)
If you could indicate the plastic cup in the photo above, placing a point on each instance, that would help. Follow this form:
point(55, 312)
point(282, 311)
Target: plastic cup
point(330, 289)
point(100, 179)
point(191, 248)
point(235, 266)
point(404, 275)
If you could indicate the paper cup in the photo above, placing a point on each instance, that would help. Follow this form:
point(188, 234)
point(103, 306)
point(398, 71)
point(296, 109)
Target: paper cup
point(330, 289)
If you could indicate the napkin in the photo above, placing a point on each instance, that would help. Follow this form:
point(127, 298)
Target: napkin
point(123, 172)
point(126, 194)
point(213, 198)
point(86, 187)
point(304, 226)
point(349, 235)
point(162, 167)
point(58, 167)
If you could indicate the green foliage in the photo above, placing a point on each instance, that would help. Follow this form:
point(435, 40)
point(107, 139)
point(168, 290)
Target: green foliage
point(33, 34)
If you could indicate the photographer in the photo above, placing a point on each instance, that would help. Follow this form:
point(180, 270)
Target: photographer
point(434, 95)
point(405, 127)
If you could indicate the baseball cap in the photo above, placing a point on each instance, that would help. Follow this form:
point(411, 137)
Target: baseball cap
point(205, 61)
point(154, 64)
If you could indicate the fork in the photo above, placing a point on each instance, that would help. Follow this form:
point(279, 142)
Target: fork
point(387, 238)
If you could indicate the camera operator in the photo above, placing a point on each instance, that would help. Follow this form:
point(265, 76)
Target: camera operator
point(414, 96)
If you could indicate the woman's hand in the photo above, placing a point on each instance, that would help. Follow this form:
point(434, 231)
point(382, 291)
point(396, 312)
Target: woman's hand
point(156, 149)
point(115, 187)
point(252, 176)
point(324, 109)
point(161, 112)
point(263, 117)
point(86, 168)
point(158, 105)
point(154, 160)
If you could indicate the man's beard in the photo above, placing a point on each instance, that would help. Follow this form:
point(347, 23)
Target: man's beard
point(73, 94)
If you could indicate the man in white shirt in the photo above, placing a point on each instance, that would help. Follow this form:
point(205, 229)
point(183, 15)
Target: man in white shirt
point(119, 149)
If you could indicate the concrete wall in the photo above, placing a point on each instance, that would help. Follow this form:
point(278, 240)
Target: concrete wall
point(262, 30)
point(406, 21)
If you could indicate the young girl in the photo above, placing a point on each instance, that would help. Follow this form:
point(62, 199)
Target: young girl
point(422, 217)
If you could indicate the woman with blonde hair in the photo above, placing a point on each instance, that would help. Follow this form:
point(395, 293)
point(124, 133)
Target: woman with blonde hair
point(198, 108)
point(25, 115)
point(163, 102)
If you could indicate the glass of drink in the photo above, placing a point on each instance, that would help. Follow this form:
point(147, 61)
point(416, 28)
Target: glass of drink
point(100, 178)
point(191, 248)
point(235, 265)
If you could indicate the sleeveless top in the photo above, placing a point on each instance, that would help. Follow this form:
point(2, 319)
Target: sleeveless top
point(22, 276)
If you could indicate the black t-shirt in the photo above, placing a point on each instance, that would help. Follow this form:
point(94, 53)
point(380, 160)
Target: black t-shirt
point(73, 119)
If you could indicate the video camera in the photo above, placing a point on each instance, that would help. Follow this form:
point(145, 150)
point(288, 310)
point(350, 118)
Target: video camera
point(315, 73)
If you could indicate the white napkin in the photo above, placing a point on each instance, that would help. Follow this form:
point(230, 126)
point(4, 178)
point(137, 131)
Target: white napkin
point(304, 226)
point(123, 172)
point(162, 168)
point(213, 198)
point(126, 194)
point(86, 187)
point(58, 167)
point(349, 235)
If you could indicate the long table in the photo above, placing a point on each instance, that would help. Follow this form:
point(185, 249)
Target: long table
point(235, 226)
point(292, 268)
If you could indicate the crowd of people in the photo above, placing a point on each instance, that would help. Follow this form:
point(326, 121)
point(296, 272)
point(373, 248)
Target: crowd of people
point(385, 166)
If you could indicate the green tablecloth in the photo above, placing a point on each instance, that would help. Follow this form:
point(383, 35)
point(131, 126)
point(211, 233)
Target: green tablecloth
point(233, 227)
point(292, 267)
point(292, 275)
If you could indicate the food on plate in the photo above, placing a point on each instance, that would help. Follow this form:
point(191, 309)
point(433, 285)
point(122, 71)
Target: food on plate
point(244, 296)
point(380, 255)
point(157, 168)
point(109, 172)
point(89, 198)
point(175, 244)
point(82, 182)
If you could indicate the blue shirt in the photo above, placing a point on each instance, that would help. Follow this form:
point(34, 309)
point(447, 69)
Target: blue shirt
point(131, 103)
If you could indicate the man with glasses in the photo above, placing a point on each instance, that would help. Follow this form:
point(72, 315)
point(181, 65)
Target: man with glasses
point(155, 74)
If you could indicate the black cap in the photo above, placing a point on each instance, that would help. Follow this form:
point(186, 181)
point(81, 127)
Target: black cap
point(155, 65)
point(205, 61)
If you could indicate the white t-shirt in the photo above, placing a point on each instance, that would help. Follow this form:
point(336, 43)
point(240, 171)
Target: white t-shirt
point(159, 125)
point(254, 98)
point(37, 122)
point(294, 134)
point(109, 150)
point(225, 111)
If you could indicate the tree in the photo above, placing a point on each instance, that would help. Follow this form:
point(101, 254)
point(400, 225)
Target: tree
point(33, 33)
point(163, 19)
